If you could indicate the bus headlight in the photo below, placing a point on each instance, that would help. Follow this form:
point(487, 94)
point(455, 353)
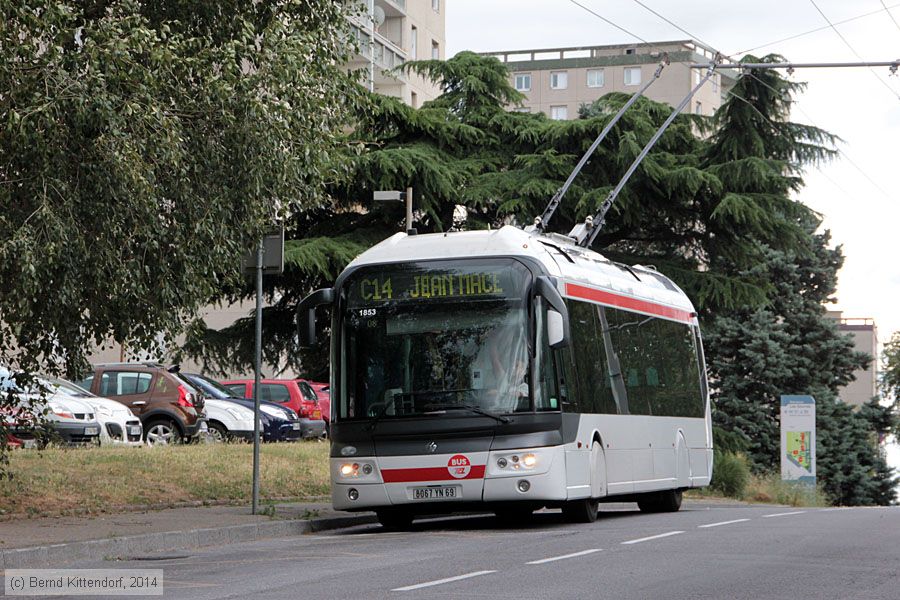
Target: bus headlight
point(511, 462)
point(360, 470)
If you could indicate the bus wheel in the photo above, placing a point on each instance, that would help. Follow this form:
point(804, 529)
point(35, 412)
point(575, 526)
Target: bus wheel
point(394, 520)
point(665, 501)
point(581, 511)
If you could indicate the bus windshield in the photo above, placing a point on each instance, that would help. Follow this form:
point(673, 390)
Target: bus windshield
point(435, 338)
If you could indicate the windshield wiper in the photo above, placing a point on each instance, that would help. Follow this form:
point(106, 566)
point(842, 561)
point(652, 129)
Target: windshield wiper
point(472, 408)
point(378, 416)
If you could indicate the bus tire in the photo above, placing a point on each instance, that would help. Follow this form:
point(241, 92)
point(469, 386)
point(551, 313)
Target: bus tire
point(394, 520)
point(581, 511)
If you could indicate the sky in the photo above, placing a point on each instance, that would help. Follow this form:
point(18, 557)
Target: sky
point(858, 194)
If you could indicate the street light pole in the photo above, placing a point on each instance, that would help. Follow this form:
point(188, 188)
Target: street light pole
point(256, 375)
point(409, 204)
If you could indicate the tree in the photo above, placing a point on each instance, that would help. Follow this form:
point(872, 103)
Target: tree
point(466, 149)
point(144, 146)
point(890, 375)
point(786, 345)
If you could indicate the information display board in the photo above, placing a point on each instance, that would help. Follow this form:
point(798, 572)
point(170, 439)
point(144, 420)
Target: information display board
point(798, 439)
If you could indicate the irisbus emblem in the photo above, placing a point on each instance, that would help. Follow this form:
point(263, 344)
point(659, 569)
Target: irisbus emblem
point(459, 466)
point(431, 447)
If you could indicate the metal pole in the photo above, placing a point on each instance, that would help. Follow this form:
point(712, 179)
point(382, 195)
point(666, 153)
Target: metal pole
point(409, 202)
point(600, 217)
point(256, 375)
point(372, 46)
point(823, 65)
point(541, 222)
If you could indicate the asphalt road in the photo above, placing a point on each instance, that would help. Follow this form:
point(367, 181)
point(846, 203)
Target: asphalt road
point(703, 551)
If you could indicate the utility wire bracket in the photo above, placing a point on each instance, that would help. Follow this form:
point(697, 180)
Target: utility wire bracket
point(541, 222)
point(585, 233)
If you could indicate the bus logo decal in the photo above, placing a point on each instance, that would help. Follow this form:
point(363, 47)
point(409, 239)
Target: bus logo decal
point(459, 466)
point(431, 447)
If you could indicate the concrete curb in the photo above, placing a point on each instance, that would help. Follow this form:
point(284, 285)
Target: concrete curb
point(149, 543)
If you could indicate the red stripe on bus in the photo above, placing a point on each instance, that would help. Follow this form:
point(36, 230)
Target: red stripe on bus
point(428, 474)
point(579, 291)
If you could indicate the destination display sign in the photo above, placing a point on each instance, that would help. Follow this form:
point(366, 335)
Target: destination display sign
point(419, 284)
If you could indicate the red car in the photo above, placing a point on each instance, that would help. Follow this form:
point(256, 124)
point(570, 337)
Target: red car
point(295, 394)
point(323, 393)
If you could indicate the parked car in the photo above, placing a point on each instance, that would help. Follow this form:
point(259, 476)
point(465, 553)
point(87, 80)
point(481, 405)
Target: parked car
point(170, 410)
point(228, 420)
point(287, 393)
point(72, 420)
point(118, 425)
point(279, 424)
point(323, 393)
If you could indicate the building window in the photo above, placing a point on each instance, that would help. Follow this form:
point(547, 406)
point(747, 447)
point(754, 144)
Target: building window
point(522, 109)
point(523, 82)
point(698, 108)
point(630, 50)
point(436, 5)
point(414, 43)
point(559, 80)
point(715, 83)
point(435, 51)
point(414, 100)
point(559, 113)
point(633, 76)
point(595, 78)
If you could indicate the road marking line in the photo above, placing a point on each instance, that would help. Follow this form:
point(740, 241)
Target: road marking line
point(564, 556)
point(722, 523)
point(796, 512)
point(440, 581)
point(652, 537)
point(836, 508)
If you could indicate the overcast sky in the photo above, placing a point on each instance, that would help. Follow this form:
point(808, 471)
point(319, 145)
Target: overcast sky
point(858, 194)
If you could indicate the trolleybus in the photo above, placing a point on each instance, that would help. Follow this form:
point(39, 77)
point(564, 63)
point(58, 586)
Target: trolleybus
point(509, 371)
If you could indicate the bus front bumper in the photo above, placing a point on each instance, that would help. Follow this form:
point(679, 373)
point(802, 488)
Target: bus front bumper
point(545, 483)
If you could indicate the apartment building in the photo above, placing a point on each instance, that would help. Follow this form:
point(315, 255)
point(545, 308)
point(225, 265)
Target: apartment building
point(557, 81)
point(865, 339)
point(391, 32)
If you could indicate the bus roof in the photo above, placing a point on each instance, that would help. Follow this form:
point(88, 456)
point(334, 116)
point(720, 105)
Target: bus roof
point(576, 267)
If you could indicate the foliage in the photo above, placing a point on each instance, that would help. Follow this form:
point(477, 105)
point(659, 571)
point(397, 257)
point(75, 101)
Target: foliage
point(890, 375)
point(731, 474)
point(143, 146)
point(849, 461)
point(685, 207)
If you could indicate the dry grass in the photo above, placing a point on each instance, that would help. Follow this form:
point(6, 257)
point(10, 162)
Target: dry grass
point(768, 489)
point(89, 480)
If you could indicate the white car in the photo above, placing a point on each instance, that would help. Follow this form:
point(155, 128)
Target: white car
point(72, 419)
point(118, 425)
point(228, 420)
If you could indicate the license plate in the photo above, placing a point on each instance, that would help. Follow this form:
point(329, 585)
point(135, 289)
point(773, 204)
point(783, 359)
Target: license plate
point(317, 414)
point(91, 431)
point(134, 430)
point(295, 426)
point(443, 492)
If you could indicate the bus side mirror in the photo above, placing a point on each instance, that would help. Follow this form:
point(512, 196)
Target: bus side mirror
point(306, 315)
point(556, 333)
point(558, 317)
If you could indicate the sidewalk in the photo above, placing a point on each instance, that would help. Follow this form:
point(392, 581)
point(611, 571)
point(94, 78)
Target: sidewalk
point(54, 541)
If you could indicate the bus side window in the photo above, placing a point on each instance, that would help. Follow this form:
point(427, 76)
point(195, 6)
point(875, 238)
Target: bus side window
point(547, 396)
